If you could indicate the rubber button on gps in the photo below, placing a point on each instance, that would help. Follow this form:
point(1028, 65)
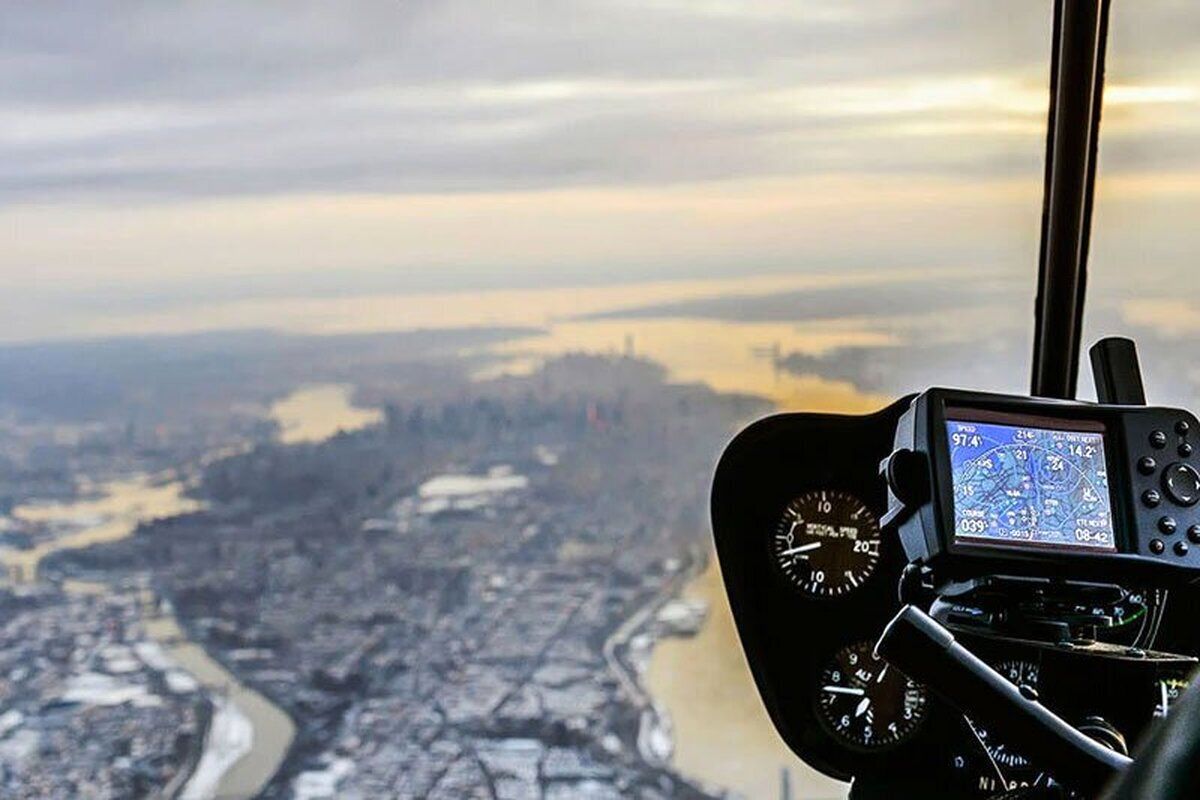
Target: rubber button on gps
point(1182, 484)
point(1194, 534)
point(1147, 465)
point(1158, 440)
point(1166, 525)
point(1182, 427)
point(1157, 546)
point(1151, 498)
point(1181, 548)
point(1185, 449)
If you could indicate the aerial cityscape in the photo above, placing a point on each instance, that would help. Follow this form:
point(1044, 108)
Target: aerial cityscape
point(363, 367)
point(423, 564)
point(456, 598)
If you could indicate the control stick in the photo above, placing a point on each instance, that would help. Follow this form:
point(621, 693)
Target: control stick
point(924, 650)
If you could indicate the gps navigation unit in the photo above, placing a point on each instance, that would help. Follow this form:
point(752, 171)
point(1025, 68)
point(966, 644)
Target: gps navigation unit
point(1026, 485)
point(986, 484)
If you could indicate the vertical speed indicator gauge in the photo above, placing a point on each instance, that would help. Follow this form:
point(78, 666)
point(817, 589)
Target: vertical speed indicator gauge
point(827, 543)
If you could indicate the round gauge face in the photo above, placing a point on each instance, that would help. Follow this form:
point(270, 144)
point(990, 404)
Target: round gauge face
point(1127, 615)
point(827, 543)
point(865, 703)
point(1006, 769)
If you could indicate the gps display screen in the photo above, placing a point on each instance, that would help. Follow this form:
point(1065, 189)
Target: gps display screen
point(1026, 486)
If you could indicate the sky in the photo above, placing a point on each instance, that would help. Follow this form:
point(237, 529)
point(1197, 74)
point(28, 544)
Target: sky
point(161, 159)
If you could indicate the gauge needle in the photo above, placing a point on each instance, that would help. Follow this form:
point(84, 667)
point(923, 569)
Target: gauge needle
point(983, 746)
point(863, 705)
point(882, 672)
point(844, 690)
point(804, 548)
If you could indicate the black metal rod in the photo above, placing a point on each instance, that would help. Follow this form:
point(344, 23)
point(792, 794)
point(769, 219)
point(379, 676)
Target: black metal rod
point(925, 651)
point(1076, 91)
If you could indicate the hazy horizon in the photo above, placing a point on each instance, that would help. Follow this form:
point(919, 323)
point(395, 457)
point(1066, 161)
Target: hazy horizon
point(389, 166)
point(169, 159)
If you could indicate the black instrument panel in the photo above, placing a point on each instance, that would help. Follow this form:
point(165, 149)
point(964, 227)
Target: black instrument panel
point(812, 580)
point(790, 633)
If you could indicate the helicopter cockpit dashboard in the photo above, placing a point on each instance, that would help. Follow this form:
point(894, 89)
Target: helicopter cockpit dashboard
point(1057, 541)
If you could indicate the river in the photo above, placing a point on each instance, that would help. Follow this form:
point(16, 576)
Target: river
point(106, 512)
point(314, 413)
point(249, 736)
point(727, 740)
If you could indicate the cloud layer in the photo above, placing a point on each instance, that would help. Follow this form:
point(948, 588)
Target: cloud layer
point(171, 100)
point(165, 154)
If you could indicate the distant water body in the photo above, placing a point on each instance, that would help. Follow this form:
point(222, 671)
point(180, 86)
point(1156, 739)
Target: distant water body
point(729, 355)
point(314, 413)
point(106, 513)
point(727, 740)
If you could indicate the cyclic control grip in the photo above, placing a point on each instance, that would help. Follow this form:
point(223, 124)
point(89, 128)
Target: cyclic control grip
point(926, 651)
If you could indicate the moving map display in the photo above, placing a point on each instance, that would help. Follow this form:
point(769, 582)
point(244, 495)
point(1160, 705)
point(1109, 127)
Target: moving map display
point(1029, 486)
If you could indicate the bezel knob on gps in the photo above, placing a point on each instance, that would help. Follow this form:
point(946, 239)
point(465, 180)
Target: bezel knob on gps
point(1182, 483)
point(907, 475)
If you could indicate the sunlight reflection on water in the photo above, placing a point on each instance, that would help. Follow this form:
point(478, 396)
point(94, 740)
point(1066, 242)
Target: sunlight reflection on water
point(727, 356)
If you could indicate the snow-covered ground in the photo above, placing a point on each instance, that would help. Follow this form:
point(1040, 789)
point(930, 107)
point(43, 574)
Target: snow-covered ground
point(178, 681)
point(98, 689)
point(230, 736)
point(317, 784)
point(458, 492)
point(467, 492)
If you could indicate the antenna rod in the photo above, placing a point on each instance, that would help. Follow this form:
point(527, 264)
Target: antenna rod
point(1076, 91)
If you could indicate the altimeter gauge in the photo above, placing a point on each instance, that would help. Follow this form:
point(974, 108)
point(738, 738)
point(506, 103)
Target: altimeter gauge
point(866, 704)
point(827, 543)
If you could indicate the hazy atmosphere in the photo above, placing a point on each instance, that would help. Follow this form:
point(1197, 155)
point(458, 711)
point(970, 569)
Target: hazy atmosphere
point(363, 365)
point(184, 156)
